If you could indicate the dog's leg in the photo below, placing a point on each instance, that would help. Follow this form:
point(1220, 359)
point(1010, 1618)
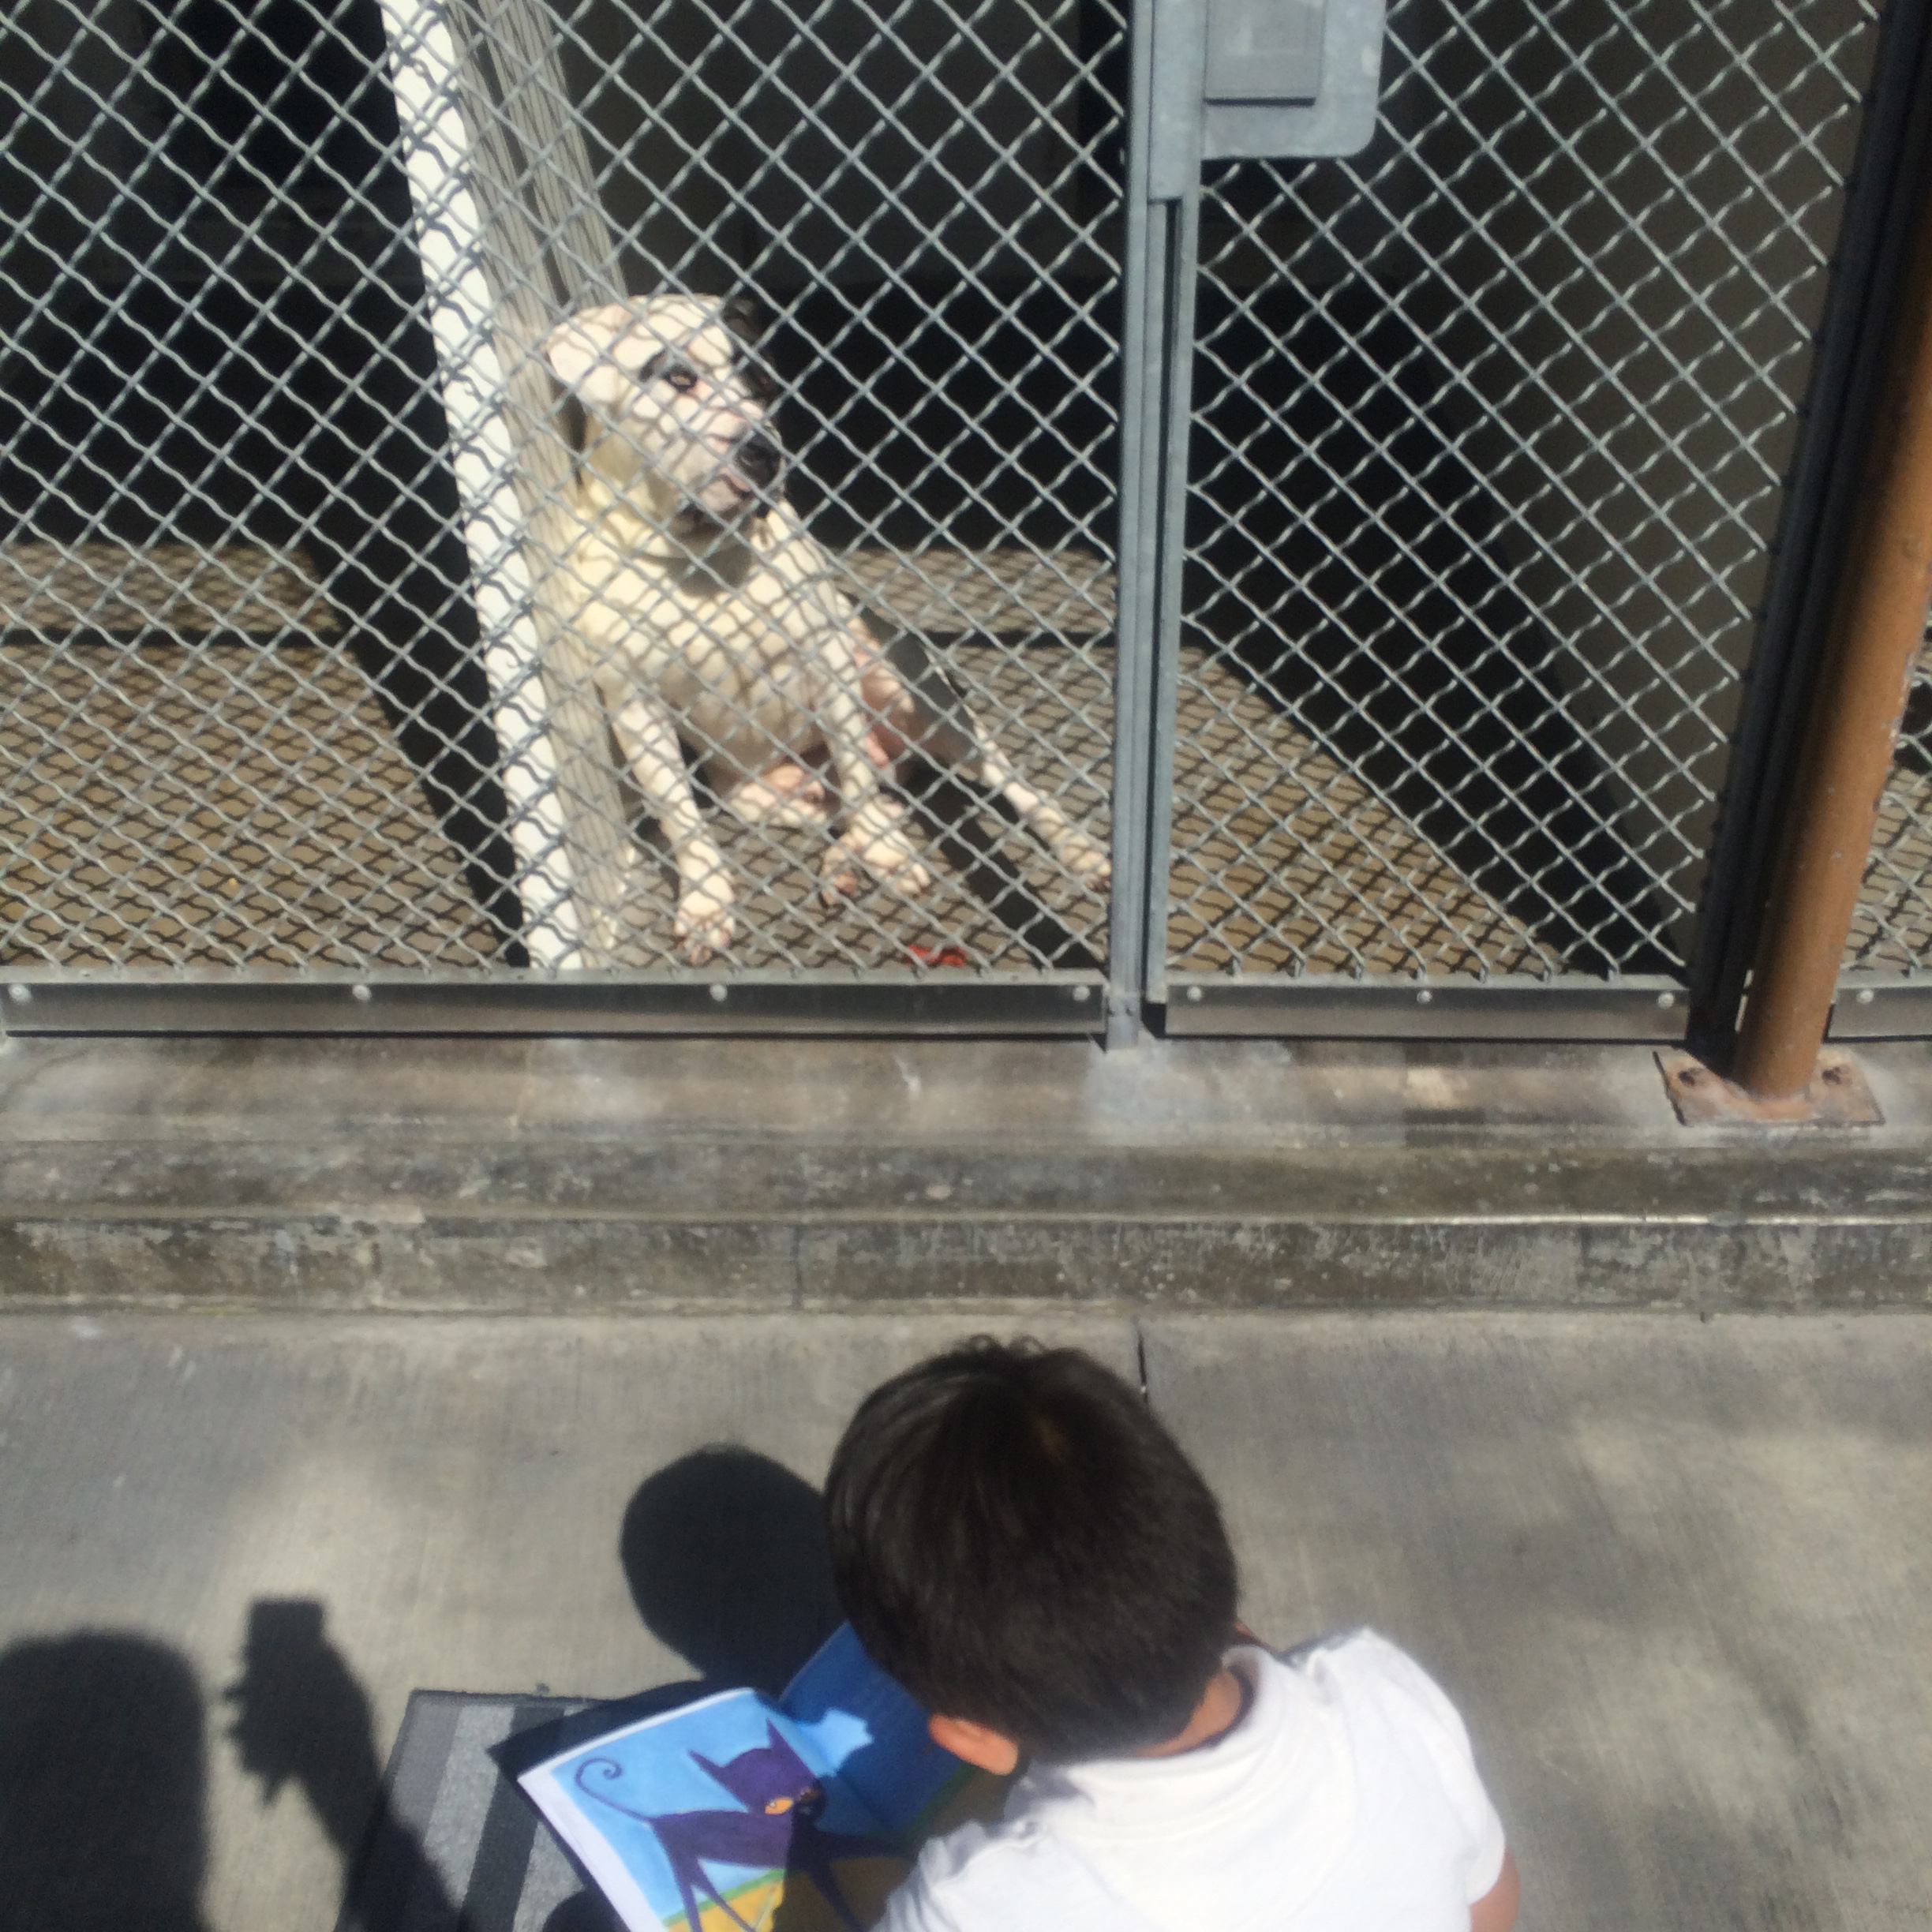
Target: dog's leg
point(1081, 854)
point(928, 711)
point(648, 740)
point(875, 837)
point(788, 797)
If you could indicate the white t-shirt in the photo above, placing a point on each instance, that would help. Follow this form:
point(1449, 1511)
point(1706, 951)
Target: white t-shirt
point(1345, 1800)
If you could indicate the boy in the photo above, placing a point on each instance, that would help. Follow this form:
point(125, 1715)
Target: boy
point(1018, 1540)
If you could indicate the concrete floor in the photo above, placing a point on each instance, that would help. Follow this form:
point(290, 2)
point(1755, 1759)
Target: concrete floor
point(1677, 1572)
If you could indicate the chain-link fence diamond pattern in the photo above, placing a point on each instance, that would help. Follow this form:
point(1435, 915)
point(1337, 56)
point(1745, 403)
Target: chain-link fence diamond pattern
point(1490, 425)
point(297, 520)
point(1489, 429)
point(1892, 929)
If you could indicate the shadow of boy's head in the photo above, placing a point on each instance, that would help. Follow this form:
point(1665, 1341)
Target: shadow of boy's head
point(724, 1550)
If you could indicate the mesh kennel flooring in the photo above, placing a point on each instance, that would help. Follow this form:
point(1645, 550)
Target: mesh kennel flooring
point(1892, 928)
point(216, 805)
point(237, 799)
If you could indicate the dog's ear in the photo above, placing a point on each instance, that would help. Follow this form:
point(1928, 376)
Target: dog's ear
point(744, 318)
point(578, 351)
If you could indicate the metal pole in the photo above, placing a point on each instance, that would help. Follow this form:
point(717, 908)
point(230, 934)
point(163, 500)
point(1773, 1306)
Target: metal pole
point(1879, 624)
point(1141, 360)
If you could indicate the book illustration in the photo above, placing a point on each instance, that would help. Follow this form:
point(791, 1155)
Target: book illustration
point(776, 1832)
point(735, 1814)
point(873, 1734)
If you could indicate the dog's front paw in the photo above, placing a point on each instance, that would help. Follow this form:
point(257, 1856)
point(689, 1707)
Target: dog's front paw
point(704, 925)
point(886, 853)
point(1086, 859)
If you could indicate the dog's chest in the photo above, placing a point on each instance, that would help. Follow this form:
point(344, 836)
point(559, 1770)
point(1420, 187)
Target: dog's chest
point(692, 636)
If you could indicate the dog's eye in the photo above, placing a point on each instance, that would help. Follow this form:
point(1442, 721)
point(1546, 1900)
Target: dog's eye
point(681, 376)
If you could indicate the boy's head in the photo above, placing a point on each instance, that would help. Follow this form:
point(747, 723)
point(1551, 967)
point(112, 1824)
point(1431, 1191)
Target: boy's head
point(1018, 1541)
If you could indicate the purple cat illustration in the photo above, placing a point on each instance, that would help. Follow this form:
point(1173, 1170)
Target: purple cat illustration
point(778, 1829)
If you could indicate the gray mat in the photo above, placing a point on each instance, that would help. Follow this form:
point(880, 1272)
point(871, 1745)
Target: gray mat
point(457, 1847)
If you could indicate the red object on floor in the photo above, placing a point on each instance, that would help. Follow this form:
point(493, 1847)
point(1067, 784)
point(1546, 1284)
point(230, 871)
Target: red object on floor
point(939, 955)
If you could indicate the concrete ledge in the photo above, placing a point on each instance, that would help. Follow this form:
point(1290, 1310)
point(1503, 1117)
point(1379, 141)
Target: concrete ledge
point(560, 1176)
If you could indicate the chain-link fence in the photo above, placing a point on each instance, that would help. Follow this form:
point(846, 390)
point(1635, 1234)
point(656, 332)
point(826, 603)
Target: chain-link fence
point(414, 565)
point(1891, 937)
point(1490, 429)
point(354, 618)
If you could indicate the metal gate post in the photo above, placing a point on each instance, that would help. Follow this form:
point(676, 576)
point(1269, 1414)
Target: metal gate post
point(1878, 626)
point(1163, 203)
point(1251, 77)
point(1825, 484)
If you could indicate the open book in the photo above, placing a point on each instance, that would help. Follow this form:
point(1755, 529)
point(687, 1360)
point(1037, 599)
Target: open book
point(735, 1812)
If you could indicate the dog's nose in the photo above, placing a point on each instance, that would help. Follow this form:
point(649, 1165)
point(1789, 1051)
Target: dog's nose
point(758, 457)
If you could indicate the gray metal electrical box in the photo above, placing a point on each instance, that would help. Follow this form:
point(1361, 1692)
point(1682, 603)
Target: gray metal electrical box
point(1264, 50)
point(1261, 77)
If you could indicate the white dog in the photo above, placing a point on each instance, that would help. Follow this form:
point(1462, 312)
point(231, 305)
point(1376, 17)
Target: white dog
point(716, 620)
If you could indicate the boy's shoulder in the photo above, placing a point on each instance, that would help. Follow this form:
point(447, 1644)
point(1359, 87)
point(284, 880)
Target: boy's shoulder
point(1105, 1843)
point(1361, 1648)
point(1361, 1670)
point(1407, 1736)
point(1363, 1661)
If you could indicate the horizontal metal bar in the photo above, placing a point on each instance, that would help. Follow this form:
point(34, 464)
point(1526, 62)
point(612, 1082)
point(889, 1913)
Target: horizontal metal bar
point(1318, 1007)
point(1881, 1009)
point(587, 1003)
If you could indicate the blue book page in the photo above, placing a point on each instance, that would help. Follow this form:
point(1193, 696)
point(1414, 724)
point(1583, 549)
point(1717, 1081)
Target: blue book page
point(870, 1731)
point(709, 1818)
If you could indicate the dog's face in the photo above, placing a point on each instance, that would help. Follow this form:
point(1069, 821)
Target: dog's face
point(674, 404)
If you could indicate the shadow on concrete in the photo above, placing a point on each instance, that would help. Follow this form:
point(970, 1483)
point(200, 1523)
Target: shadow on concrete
point(583, 1911)
point(302, 1717)
point(726, 1555)
point(103, 1787)
point(724, 1550)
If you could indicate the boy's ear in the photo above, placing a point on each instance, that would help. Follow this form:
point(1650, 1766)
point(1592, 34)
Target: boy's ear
point(990, 1750)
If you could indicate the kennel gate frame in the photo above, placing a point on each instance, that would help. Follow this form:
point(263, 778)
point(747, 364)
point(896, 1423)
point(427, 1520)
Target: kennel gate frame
point(1161, 210)
point(1889, 179)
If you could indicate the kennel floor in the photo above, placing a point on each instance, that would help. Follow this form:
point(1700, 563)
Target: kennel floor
point(227, 804)
point(1892, 928)
point(218, 787)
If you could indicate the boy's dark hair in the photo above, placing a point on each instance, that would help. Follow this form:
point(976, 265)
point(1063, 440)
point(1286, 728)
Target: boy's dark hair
point(1020, 1542)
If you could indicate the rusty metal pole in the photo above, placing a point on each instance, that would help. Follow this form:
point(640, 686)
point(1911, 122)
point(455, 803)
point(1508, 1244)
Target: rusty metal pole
point(1878, 623)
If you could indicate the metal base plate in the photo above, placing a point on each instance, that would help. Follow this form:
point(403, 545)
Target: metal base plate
point(1836, 1096)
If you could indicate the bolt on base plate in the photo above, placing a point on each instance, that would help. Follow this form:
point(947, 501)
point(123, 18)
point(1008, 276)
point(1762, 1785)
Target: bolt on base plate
point(1836, 1095)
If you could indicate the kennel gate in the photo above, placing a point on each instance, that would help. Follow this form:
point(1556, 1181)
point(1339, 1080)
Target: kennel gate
point(1373, 550)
